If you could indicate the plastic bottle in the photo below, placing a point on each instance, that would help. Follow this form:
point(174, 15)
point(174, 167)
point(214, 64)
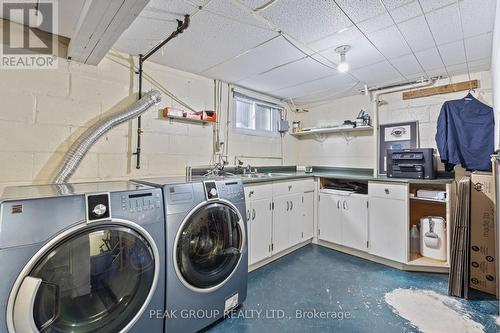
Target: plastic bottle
point(414, 242)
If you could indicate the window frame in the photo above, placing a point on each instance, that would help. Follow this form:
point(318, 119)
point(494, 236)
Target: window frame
point(276, 112)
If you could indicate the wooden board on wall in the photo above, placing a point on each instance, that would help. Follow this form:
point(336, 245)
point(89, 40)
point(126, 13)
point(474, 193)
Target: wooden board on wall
point(445, 89)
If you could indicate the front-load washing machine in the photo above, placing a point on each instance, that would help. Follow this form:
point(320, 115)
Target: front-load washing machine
point(207, 259)
point(82, 258)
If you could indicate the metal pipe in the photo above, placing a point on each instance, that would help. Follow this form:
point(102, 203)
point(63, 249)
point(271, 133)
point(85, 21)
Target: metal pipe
point(181, 26)
point(82, 145)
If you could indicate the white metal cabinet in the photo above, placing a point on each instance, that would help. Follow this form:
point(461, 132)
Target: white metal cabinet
point(343, 219)
point(355, 221)
point(259, 227)
point(329, 217)
point(388, 219)
point(284, 216)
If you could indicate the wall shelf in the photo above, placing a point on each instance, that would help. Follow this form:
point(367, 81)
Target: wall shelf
point(338, 129)
point(188, 120)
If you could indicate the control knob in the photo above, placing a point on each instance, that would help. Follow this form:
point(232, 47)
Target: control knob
point(213, 192)
point(99, 210)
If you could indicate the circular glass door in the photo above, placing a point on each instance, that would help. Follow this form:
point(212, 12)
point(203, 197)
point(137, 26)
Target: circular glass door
point(96, 280)
point(208, 246)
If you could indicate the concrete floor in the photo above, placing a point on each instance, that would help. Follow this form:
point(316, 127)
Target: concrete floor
point(321, 279)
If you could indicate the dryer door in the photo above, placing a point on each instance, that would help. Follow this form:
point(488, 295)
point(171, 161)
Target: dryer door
point(98, 278)
point(209, 245)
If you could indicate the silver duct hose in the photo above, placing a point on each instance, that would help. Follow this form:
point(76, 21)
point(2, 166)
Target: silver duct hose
point(83, 144)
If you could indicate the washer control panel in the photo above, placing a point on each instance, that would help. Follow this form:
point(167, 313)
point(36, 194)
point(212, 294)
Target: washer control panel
point(140, 202)
point(232, 190)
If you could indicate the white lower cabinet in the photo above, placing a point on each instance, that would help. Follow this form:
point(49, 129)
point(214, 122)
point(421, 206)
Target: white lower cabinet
point(280, 215)
point(259, 225)
point(343, 219)
point(388, 220)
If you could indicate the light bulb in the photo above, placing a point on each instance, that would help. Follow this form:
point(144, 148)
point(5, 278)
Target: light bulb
point(343, 67)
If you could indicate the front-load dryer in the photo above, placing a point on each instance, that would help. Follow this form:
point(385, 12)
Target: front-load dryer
point(207, 259)
point(82, 258)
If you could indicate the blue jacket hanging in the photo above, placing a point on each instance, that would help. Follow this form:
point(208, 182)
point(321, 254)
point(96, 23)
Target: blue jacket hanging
point(465, 134)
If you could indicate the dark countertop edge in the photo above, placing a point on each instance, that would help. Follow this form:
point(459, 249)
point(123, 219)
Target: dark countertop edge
point(343, 175)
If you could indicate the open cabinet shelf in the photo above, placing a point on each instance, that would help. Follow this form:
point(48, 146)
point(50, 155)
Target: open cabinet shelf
point(423, 207)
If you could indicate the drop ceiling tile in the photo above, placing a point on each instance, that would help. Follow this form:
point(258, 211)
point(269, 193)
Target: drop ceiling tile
point(254, 3)
point(361, 10)
point(377, 73)
point(345, 36)
point(457, 69)
point(362, 53)
point(407, 65)
point(209, 40)
point(289, 75)
point(429, 5)
point(480, 65)
point(329, 84)
point(268, 55)
point(390, 42)
point(445, 24)
point(406, 12)
point(452, 53)
point(429, 59)
point(376, 23)
point(306, 21)
point(233, 12)
point(477, 19)
point(393, 4)
point(417, 34)
point(479, 47)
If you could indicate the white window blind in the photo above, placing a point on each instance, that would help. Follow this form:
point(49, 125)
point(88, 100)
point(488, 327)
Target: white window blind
point(255, 117)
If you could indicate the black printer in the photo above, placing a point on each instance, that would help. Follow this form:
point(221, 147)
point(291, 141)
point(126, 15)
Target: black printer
point(411, 163)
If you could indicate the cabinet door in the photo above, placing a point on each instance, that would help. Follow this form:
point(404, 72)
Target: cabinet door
point(260, 230)
point(282, 222)
point(330, 217)
point(307, 215)
point(355, 221)
point(296, 216)
point(387, 228)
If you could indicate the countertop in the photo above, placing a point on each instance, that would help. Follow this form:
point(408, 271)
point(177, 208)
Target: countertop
point(345, 174)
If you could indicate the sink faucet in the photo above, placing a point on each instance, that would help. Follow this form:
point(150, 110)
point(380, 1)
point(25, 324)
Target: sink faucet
point(249, 169)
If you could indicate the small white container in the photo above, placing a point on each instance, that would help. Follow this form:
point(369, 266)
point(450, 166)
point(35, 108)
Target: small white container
point(433, 237)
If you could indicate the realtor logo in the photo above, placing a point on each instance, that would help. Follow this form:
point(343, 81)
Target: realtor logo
point(26, 43)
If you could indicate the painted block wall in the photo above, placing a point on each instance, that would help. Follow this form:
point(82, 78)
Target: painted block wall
point(44, 111)
point(357, 151)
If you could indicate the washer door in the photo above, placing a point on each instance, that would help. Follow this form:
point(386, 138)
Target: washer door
point(97, 279)
point(209, 245)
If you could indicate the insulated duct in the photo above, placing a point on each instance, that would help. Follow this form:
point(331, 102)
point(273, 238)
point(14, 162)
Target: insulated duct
point(83, 144)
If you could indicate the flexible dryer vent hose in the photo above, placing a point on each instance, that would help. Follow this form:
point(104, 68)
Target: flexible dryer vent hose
point(83, 144)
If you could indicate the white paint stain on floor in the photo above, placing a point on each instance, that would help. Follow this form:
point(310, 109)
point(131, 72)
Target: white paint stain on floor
point(432, 312)
point(497, 321)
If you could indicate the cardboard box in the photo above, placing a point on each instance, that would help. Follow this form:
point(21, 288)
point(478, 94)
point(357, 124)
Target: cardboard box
point(483, 255)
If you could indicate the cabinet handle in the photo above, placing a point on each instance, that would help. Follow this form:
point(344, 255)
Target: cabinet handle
point(344, 205)
point(291, 205)
point(287, 206)
point(253, 214)
point(387, 191)
point(338, 204)
point(248, 215)
point(250, 194)
point(289, 187)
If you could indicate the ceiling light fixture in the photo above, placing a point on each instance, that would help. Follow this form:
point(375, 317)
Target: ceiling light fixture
point(343, 65)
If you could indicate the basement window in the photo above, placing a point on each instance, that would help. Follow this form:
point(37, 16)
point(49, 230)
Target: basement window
point(255, 117)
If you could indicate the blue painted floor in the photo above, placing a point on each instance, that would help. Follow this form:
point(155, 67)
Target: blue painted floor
point(349, 290)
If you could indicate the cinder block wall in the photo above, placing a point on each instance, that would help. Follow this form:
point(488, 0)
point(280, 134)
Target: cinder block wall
point(357, 149)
